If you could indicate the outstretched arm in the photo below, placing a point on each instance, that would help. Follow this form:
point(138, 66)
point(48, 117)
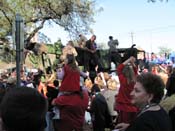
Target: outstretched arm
point(129, 60)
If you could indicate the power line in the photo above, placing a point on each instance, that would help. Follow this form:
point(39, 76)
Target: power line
point(156, 29)
point(149, 30)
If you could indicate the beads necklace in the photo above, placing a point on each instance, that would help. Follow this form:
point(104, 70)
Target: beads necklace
point(146, 108)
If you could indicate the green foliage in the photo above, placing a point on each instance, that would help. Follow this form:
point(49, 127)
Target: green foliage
point(6, 54)
point(74, 16)
point(163, 50)
point(58, 48)
point(55, 48)
point(50, 49)
point(35, 60)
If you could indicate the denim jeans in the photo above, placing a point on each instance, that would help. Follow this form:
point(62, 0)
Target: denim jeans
point(49, 122)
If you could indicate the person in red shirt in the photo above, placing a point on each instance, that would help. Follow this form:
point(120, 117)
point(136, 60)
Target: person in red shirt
point(127, 72)
point(72, 100)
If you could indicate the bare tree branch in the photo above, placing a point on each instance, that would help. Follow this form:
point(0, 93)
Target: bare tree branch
point(31, 35)
point(8, 19)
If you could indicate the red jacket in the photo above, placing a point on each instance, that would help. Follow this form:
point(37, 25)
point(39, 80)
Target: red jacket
point(71, 80)
point(72, 111)
point(123, 100)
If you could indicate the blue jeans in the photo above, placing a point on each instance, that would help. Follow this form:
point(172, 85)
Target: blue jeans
point(49, 122)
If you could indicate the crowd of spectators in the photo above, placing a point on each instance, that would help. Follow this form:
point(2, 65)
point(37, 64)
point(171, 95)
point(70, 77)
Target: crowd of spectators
point(129, 100)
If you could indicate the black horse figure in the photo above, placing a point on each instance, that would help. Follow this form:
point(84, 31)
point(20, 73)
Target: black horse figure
point(129, 52)
point(132, 51)
point(104, 58)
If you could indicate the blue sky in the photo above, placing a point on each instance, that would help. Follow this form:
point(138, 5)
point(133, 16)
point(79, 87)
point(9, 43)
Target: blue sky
point(152, 24)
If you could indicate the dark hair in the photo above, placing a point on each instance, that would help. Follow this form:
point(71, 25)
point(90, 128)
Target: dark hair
point(23, 109)
point(49, 70)
point(153, 84)
point(110, 37)
point(56, 83)
point(72, 62)
point(2, 91)
point(170, 68)
point(95, 89)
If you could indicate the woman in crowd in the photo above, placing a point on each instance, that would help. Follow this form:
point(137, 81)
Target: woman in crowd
point(168, 103)
point(72, 100)
point(99, 110)
point(170, 85)
point(127, 72)
point(147, 93)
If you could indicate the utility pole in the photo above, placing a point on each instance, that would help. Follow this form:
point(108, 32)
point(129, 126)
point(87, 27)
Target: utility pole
point(132, 38)
point(151, 41)
point(19, 41)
